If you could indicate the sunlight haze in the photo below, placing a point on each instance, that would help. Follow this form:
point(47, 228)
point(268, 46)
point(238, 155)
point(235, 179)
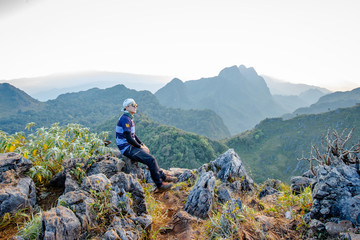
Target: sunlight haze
point(311, 42)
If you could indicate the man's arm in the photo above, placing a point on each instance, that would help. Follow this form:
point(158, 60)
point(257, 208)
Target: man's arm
point(138, 140)
point(130, 140)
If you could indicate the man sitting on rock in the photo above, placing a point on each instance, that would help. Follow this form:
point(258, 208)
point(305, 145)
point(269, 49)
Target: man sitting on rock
point(131, 146)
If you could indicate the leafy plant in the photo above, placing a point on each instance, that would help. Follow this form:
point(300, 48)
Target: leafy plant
point(8, 218)
point(32, 229)
point(102, 206)
point(78, 172)
point(48, 147)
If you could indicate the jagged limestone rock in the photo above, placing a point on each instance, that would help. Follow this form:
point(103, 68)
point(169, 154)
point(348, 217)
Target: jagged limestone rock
point(228, 167)
point(60, 223)
point(80, 203)
point(106, 165)
point(336, 194)
point(18, 194)
point(200, 199)
point(98, 182)
point(129, 184)
point(17, 191)
point(70, 184)
point(223, 193)
point(187, 175)
point(298, 184)
point(122, 228)
point(14, 161)
point(267, 191)
point(230, 217)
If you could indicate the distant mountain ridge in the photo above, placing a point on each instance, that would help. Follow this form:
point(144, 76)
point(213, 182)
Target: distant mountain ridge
point(94, 106)
point(279, 87)
point(238, 94)
point(330, 102)
point(50, 87)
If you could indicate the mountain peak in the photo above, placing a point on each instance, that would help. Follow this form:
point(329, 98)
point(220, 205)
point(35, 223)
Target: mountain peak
point(230, 72)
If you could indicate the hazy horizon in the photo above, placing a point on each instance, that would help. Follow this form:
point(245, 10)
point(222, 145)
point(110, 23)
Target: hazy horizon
point(314, 43)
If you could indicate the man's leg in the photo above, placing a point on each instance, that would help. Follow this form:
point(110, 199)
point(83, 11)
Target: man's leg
point(139, 155)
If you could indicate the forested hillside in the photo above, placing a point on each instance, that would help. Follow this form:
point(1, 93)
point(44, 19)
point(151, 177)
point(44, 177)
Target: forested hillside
point(172, 147)
point(13, 100)
point(272, 148)
point(95, 106)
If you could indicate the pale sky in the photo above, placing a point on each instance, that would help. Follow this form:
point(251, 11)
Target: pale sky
point(315, 42)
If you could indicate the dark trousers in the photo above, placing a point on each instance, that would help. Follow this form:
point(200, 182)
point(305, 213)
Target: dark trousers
point(139, 155)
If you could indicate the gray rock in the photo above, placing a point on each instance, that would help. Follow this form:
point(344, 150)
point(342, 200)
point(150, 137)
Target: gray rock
point(132, 167)
point(268, 191)
point(334, 229)
point(80, 203)
point(336, 194)
point(298, 184)
point(288, 215)
point(107, 165)
point(18, 194)
point(122, 228)
point(229, 168)
point(128, 183)
point(199, 201)
point(223, 194)
point(98, 182)
point(58, 181)
point(144, 221)
point(317, 226)
point(14, 161)
point(187, 175)
point(229, 218)
point(60, 223)
point(70, 184)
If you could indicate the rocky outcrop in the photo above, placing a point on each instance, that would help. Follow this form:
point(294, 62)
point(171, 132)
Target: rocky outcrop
point(336, 194)
point(61, 223)
point(200, 199)
point(299, 183)
point(87, 189)
point(17, 191)
point(126, 183)
point(228, 167)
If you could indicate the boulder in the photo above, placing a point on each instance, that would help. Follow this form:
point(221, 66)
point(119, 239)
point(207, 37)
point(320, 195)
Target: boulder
point(298, 184)
point(98, 182)
point(17, 191)
point(186, 175)
point(336, 194)
point(267, 191)
point(228, 167)
point(80, 203)
point(60, 223)
point(223, 194)
point(122, 228)
point(200, 199)
point(14, 161)
point(106, 164)
point(126, 182)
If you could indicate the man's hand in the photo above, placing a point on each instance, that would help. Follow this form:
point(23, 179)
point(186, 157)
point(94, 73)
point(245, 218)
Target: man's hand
point(146, 149)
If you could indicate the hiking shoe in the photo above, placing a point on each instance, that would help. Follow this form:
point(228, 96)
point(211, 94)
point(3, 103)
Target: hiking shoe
point(164, 187)
point(169, 178)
